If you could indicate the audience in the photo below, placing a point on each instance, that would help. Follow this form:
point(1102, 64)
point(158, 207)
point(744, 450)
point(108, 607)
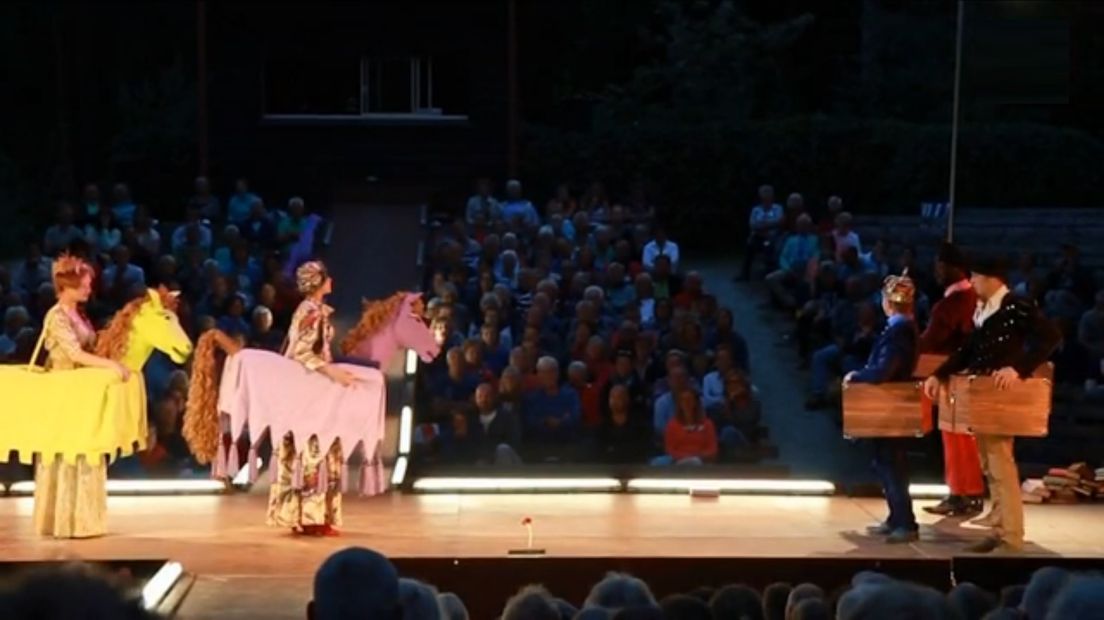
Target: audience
point(572, 305)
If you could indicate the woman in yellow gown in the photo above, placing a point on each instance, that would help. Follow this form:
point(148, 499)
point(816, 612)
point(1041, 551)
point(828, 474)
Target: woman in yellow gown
point(310, 502)
point(70, 501)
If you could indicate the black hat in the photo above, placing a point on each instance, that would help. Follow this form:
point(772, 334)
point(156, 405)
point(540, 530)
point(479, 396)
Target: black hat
point(992, 265)
point(952, 256)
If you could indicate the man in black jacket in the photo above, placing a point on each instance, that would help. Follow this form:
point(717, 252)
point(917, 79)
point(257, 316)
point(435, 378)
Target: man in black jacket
point(1011, 339)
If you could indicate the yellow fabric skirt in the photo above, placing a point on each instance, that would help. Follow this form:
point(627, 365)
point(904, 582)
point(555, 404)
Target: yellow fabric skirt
point(70, 500)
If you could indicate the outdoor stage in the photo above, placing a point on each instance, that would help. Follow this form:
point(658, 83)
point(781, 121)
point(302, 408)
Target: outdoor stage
point(244, 569)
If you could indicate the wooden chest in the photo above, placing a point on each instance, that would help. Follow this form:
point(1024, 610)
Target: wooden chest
point(973, 404)
point(885, 410)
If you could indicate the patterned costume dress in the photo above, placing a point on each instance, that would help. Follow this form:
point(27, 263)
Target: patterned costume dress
point(303, 500)
point(70, 501)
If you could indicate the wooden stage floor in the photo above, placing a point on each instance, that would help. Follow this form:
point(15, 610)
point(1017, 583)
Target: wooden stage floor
point(243, 566)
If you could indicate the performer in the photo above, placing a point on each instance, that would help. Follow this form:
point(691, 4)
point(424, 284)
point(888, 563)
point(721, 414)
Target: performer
point(300, 500)
point(1010, 340)
point(70, 501)
point(952, 320)
point(893, 358)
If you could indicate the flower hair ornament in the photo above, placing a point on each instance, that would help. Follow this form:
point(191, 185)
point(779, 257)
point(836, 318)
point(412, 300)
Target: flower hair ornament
point(899, 289)
point(67, 264)
point(310, 276)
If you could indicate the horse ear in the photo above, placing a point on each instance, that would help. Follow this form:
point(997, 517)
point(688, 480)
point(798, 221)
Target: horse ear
point(154, 297)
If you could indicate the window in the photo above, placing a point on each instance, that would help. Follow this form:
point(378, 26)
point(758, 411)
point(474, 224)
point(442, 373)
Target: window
point(420, 87)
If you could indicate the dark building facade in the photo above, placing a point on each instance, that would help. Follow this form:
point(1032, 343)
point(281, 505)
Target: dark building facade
point(339, 96)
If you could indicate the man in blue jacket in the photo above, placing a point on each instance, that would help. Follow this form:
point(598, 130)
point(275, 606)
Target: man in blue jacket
point(893, 358)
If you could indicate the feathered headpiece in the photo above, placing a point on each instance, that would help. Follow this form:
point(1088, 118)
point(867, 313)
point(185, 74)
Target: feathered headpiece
point(67, 264)
point(899, 289)
point(310, 276)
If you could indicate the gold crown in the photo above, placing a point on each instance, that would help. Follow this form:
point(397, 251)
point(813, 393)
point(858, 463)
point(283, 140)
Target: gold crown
point(899, 289)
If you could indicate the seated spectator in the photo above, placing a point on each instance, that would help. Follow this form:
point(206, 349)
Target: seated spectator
point(490, 435)
point(552, 411)
point(666, 403)
point(241, 203)
point(452, 608)
point(63, 232)
point(594, 199)
point(724, 334)
point(877, 258)
point(665, 284)
point(258, 226)
point(851, 265)
point(737, 418)
point(590, 394)
point(620, 591)
point(223, 254)
point(1090, 333)
point(496, 355)
point(32, 271)
point(89, 206)
point(146, 237)
point(289, 228)
point(193, 232)
point(623, 373)
point(1070, 274)
point(123, 208)
point(618, 291)
point(103, 235)
point(517, 209)
point(531, 603)
point(207, 203)
point(262, 334)
point(690, 437)
point(121, 278)
point(798, 249)
point(713, 384)
point(844, 237)
point(660, 246)
point(765, 224)
point(454, 390)
point(482, 208)
point(355, 583)
point(233, 320)
point(16, 318)
point(825, 224)
point(849, 351)
point(624, 435)
point(692, 292)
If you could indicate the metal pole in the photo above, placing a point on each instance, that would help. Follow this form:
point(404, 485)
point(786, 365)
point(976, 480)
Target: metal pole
point(201, 84)
point(954, 123)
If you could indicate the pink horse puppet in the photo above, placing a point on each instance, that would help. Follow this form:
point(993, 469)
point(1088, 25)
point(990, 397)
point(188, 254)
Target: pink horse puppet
point(262, 393)
point(388, 326)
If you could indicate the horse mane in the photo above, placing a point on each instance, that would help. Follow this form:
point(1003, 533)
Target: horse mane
point(375, 314)
point(113, 340)
point(201, 417)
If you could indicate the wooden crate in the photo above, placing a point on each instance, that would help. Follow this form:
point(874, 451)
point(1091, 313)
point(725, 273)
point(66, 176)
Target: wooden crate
point(926, 365)
point(973, 404)
point(885, 410)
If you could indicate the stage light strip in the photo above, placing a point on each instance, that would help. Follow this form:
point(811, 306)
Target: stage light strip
point(517, 484)
point(929, 491)
point(398, 475)
point(411, 362)
point(141, 487)
point(160, 584)
point(729, 485)
point(406, 429)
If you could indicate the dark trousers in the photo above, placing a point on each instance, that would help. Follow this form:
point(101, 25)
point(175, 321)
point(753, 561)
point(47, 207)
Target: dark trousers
point(891, 466)
point(757, 246)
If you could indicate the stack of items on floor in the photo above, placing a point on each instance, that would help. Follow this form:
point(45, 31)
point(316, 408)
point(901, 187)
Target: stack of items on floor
point(1065, 485)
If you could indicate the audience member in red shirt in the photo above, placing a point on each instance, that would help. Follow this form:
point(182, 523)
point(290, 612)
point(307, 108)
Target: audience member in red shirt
point(691, 293)
point(690, 438)
point(589, 394)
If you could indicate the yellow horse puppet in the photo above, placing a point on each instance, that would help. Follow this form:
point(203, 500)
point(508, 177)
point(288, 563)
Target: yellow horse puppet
point(89, 411)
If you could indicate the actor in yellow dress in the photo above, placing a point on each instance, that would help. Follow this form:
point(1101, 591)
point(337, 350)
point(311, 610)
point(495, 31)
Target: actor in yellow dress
point(70, 501)
point(302, 497)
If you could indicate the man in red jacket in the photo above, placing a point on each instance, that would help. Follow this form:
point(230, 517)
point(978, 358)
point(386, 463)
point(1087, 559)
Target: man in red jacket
point(952, 320)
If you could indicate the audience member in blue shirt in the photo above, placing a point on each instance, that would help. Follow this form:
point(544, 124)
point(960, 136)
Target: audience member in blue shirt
point(240, 204)
point(201, 233)
point(553, 411)
point(259, 228)
point(678, 379)
point(455, 386)
point(123, 208)
point(233, 319)
point(517, 207)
